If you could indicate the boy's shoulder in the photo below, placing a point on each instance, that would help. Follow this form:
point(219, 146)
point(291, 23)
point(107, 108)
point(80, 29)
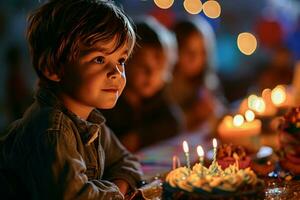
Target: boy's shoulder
point(47, 118)
point(39, 120)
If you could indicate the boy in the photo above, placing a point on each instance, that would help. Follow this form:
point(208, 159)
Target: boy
point(61, 148)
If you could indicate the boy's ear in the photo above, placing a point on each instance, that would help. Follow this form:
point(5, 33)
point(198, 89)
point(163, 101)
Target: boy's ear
point(51, 75)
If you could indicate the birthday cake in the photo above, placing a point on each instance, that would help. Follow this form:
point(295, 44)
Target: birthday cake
point(228, 154)
point(212, 183)
point(289, 140)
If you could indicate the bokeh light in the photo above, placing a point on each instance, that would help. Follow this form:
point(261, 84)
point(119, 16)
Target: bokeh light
point(238, 120)
point(278, 95)
point(192, 6)
point(251, 101)
point(164, 4)
point(212, 9)
point(247, 43)
point(259, 105)
point(249, 115)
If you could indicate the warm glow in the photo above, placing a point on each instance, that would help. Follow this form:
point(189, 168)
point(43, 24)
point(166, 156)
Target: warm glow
point(228, 120)
point(251, 101)
point(266, 93)
point(256, 103)
point(192, 6)
point(215, 143)
point(212, 9)
point(185, 146)
point(278, 95)
point(249, 115)
point(259, 105)
point(238, 120)
point(200, 151)
point(246, 43)
point(164, 4)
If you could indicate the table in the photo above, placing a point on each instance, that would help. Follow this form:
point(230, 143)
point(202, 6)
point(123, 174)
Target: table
point(157, 161)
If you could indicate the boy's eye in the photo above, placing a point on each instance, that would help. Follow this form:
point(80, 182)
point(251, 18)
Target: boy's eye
point(122, 62)
point(99, 60)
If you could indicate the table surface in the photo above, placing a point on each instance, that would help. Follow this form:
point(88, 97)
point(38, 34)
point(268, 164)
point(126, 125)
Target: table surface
point(156, 161)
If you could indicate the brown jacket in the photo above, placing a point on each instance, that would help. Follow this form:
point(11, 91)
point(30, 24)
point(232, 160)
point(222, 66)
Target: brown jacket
point(50, 153)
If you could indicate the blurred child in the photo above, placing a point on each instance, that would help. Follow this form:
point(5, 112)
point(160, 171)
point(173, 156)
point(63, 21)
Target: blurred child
point(195, 85)
point(144, 115)
point(61, 148)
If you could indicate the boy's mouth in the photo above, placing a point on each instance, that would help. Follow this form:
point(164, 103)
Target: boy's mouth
point(111, 90)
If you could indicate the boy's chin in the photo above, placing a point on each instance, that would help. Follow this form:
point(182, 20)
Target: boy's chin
point(108, 106)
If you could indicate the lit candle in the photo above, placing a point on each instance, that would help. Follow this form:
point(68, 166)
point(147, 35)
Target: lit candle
point(200, 154)
point(201, 157)
point(186, 152)
point(215, 149)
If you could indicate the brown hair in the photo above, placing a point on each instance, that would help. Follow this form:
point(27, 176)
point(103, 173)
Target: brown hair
point(58, 29)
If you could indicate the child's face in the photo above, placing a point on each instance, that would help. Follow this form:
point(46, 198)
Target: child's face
point(192, 55)
point(146, 71)
point(97, 78)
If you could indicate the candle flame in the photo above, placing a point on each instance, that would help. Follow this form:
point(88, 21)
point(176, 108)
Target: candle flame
point(185, 146)
point(200, 151)
point(278, 95)
point(215, 143)
point(249, 115)
point(238, 120)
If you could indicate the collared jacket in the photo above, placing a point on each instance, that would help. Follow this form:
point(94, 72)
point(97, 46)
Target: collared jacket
point(51, 153)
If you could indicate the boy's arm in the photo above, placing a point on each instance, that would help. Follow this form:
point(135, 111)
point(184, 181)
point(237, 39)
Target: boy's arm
point(60, 171)
point(120, 164)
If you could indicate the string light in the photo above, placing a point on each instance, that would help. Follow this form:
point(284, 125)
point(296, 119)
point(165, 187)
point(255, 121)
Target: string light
point(246, 43)
point(164, 4)
point(212, 9)
point(192, 6)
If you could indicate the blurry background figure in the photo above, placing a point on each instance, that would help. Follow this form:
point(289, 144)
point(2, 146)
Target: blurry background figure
point(18, 96)
point(195, 85)
point(143, 114)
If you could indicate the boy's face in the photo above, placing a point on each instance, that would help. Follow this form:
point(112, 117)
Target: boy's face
point(146, 71)
point(97, 78)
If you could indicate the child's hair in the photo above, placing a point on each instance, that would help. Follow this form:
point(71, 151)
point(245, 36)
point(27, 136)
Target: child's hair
point(150, 33)
point(59, 29)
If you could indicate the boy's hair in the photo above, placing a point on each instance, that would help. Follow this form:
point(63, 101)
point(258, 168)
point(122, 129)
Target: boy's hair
point(59, 29)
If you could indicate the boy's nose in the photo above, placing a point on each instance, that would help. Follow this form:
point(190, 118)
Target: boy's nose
point(114, 72)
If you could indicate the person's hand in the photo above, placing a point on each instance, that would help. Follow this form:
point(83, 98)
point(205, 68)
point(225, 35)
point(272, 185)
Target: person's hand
point(122, 185)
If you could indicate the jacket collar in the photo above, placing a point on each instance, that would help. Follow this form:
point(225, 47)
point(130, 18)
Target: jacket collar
point(88, 129)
